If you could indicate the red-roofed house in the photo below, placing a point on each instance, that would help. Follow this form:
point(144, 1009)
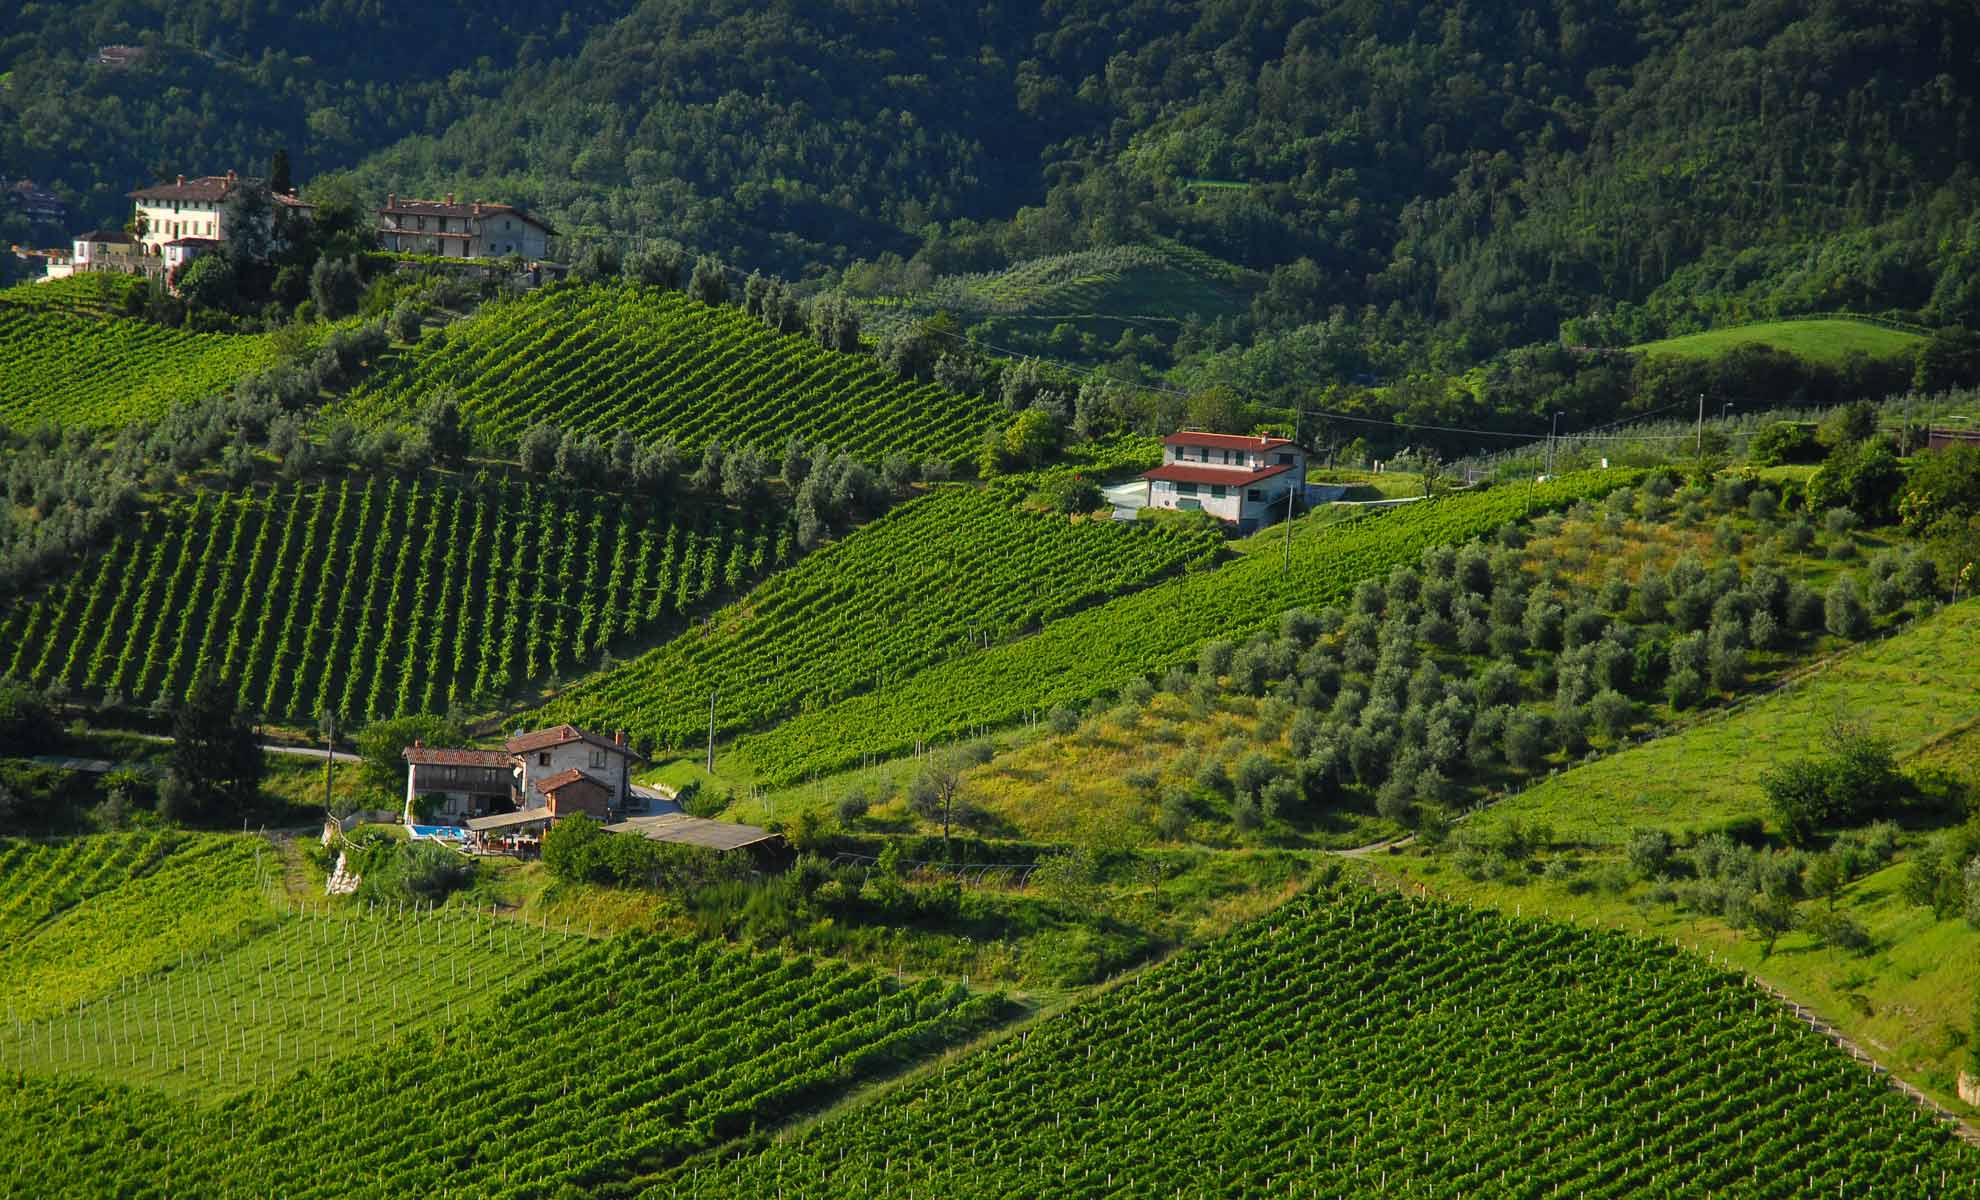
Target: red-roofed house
point(574, 790)
point(191, 208)
point(471, 230)
point(1243, 481)
point(458, 783)
point(549, 753)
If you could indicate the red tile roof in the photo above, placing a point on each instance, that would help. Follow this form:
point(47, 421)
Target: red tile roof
point(438, 756)
point(1204, 473)
point(1226, 441)
point(565, 778)
point(544, 739)
point(108, 237)
point(207, 189)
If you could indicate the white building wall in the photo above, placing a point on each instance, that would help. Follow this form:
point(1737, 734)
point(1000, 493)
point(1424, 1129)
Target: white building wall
point(166, 221)
point(581, 755)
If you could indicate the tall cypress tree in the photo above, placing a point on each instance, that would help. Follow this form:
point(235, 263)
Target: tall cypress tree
point(216, 764)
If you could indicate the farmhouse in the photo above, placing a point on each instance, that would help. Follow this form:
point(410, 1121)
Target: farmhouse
point(472, 230)
point(458, 783)
point(191, 208)
point(1242, 481)
point(548, 754)
point(110, 250)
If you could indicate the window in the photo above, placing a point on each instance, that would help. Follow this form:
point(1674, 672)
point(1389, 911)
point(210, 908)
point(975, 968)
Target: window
point(597, 757)
point(543, 759)
point(1254, 494)
point(1216, 491)
point(1284, 460)
point(1187, 489)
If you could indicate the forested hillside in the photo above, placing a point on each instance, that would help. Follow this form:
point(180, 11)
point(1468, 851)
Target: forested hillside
point(1424, 184)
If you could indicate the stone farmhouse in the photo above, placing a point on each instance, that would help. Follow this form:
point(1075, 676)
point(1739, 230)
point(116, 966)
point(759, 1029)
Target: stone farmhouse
point(1242, 481)
point(548, 773)
point(471, 230)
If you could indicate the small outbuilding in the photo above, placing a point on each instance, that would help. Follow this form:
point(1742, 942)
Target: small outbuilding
point(574, 790)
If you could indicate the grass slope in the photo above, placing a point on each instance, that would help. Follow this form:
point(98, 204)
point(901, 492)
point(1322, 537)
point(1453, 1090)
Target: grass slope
point(283, 999)
point(919, 586)
point(620, 1060)
point(79, 916)
point(1914, 688)
point(1097, 650)
point(1824, 341)
point(1363, 1044)
point(610, 359)
point(377, 595)
point(64, 367)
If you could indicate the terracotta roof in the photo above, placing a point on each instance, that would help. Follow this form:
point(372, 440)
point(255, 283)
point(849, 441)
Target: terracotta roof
point(1205, 473)
point(544, 739)
point(441, 757)
point(209, 189)
point(473, 210)
point(114, 237)
point(567, 777)
point(202, 243)
point(1226, 441)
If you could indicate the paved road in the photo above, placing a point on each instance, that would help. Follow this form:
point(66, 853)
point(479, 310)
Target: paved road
point(315, 752)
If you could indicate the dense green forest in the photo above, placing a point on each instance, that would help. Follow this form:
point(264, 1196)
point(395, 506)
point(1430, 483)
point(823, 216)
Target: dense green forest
point(1414, 187)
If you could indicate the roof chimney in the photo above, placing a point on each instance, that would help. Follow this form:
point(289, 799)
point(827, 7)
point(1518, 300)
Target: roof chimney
point(450, 199)
point(419, 743)
point(182, 181)
point(391, 199)
point(231, 177)
point(618, 737)
point(477, 209)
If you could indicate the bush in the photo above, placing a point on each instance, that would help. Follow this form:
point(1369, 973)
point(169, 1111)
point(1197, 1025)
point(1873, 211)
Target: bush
point(1650, 852)
point(1843, 611)
point(852, 807)
point(1062, 720)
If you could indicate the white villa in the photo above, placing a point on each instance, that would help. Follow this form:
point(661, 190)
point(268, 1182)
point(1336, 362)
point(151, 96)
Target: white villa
point(471, 230)
point(190, 209)
point(1242, 481)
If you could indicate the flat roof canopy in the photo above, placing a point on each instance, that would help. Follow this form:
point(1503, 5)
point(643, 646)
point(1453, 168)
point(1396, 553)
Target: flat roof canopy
point(509, 820)
point(694, 831)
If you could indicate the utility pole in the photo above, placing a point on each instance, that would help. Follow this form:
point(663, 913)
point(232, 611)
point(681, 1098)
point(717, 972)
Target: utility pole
point(1698, 449)
point(711, 729)
point(1300, 482)
point(329, 756)
point(1553, 432)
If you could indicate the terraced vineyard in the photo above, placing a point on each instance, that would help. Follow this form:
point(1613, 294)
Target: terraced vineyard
point(1099, 649)
point(621, 1060)
point(1363, 1044)
point(605, 359)
point(81, 915)
point(374, 596)
point(257, 1011)
point(62, 367)
point(962, 568)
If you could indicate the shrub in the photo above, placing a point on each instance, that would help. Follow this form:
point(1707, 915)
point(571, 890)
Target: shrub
point(852, 807)
point(1650, 852)
point(1843, 611)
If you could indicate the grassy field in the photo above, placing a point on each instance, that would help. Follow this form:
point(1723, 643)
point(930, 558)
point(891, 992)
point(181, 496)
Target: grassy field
point(295, 995)
point(1826, 341)
point(1913, 688)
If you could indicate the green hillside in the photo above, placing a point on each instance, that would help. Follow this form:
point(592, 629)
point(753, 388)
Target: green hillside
point(935, 580)
point(1363, 1044)
point(1100, 649)
point(65, 367)
point(1913, 688)
point(1826, 341)
point(622, 1059)
point(81, 916)
point(611, 360)
point(258, 1010)
point(376, 595)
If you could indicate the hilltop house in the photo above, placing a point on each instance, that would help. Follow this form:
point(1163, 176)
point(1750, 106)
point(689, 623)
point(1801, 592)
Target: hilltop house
point(546, 775)
point(1242, 481)
point(189, 209)
point(110, 250)
point(472, 230)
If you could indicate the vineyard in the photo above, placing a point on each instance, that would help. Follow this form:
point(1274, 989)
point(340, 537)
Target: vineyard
point(605, 360)
point(1101, 648)
point(619, 1061)
point(1363, 1044)
point(65, 368)
point(374, 596)
point(255, 1012)
point(963, 567)
point(79, 916)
